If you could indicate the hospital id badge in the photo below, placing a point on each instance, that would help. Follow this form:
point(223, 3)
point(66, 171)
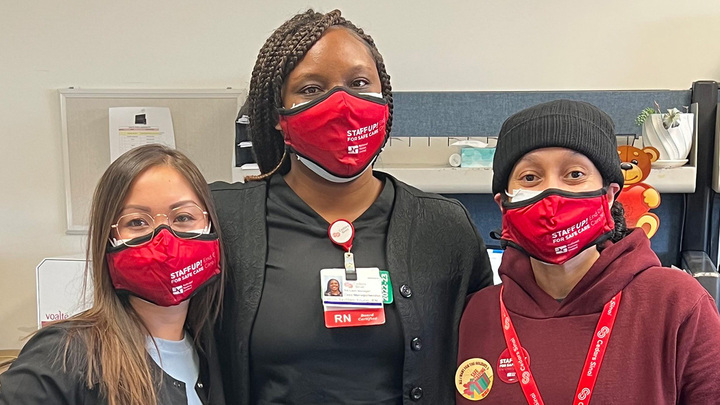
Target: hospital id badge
point(349, 303)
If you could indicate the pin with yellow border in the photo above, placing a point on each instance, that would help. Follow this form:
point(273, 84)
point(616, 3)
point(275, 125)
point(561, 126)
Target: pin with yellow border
point(474, 379)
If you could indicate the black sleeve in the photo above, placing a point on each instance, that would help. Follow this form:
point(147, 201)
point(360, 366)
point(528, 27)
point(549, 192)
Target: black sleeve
point(37, 376)
point(481, 275)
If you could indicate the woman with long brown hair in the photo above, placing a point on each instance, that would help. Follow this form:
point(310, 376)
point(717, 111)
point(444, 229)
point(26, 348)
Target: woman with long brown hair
point(155, 262)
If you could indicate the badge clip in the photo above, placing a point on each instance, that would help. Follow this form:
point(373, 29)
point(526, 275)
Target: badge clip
point(350, 272)
point(341, 233)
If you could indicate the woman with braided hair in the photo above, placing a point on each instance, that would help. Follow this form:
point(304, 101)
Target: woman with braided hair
point(585, 313)
point(320, 112)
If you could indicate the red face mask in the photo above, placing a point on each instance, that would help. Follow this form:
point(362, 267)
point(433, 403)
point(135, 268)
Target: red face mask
point(341, 132)
point(556, 225)
point(167, 270)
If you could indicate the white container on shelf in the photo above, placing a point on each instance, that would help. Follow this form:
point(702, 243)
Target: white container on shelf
point(674, 143)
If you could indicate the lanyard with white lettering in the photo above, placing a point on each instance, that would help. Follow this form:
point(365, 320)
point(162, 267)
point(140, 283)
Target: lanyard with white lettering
point(593, 361)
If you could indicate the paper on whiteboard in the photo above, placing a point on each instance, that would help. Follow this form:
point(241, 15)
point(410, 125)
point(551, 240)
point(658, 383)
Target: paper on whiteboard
point(131, 127)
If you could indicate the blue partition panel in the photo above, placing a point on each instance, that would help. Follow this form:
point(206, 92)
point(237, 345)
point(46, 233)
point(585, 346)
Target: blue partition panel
point(482, 113)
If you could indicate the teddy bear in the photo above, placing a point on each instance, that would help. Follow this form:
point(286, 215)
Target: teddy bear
point(637, 197)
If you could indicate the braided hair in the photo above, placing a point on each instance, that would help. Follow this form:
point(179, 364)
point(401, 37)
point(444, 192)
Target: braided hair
point(618, 215)
point(277, 58)
point(617, 211)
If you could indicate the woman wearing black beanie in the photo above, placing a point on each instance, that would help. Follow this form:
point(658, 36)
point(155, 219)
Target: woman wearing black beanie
point(585, 310)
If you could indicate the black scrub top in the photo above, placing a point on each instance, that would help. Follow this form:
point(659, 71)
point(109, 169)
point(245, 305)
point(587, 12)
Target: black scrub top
point(294, 358)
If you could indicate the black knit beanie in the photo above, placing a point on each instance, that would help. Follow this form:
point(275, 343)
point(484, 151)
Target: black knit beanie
point(569, 124)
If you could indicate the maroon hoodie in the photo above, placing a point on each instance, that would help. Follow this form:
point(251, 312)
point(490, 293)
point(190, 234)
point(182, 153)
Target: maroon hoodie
point(664, 348)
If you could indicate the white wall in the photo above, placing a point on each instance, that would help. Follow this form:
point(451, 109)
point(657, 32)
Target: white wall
point(428, 45)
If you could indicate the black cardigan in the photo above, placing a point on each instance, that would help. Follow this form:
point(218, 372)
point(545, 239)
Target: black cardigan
point(434, 253)
point(37, 376)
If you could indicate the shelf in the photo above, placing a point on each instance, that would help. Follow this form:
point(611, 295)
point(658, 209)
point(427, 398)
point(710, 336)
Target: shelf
point(444, 179)
point(675, 180)
point(478, 180)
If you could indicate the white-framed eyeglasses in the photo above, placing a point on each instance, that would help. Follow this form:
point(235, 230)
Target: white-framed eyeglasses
point(186, 222)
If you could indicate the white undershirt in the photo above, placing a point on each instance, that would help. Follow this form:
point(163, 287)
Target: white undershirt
point(179, 360)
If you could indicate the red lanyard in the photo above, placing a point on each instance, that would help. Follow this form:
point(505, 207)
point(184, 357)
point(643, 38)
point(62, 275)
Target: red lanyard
point(593, 361)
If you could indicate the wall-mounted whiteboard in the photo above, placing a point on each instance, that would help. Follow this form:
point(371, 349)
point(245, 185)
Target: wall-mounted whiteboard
point(204, 123)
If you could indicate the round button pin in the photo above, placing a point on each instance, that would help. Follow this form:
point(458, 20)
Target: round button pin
point(505, 368)
point(474, 379)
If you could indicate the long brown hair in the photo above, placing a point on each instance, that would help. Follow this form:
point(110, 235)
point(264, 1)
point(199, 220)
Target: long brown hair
point(277, 58)
point(107, 343)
